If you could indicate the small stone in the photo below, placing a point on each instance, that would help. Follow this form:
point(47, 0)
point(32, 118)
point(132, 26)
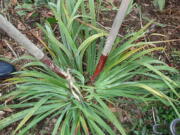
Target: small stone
point(2, 113)
point(54, 120)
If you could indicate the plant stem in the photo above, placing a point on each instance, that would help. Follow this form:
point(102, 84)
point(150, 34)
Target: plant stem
point(47, 61)
point(99, 67)
point(111, 38)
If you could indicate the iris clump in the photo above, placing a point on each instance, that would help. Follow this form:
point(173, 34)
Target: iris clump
point(82, 107)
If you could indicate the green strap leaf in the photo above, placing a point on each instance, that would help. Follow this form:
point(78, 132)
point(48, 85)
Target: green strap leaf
point(31, 112)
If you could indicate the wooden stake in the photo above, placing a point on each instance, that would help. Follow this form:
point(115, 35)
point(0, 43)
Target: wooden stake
point(14, 33)
point(111, 38)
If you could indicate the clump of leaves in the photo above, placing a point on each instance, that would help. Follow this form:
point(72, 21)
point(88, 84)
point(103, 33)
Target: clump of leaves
point(38, 2)
point(129, 72)
point(159, 4)
point(26, 8)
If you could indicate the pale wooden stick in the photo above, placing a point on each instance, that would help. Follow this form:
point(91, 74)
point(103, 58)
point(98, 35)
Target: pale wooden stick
point(9, 46)
point(116, 26)
point(20, 38)
point(111, 38)
point(14, 33)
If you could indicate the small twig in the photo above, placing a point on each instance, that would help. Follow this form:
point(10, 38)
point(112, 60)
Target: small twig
point(153, 113)
point(75, 91)
point(4, 84)
point(9, 46)
point(89, 25)
point(108, 29)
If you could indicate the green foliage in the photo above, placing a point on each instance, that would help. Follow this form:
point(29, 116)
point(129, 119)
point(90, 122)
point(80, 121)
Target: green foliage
point(26, 8)
point(129, 73)
point(175, 54)
point(160, 4)
point(114, 7)
point(166, 114)
point(157, 114)
point(30, 5)
point(38, 2)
